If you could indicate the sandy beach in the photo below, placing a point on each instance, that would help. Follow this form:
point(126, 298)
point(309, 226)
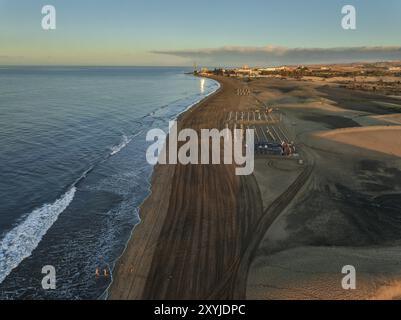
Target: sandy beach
point(285, 231)
point(195, 224)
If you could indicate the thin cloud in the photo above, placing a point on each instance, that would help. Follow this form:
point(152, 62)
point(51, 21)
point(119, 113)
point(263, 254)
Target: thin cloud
point(275, 55)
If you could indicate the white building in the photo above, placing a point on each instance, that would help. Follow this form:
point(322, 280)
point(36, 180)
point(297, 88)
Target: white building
point(273, 69)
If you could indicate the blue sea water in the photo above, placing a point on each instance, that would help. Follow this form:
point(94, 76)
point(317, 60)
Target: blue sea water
point(73, 170)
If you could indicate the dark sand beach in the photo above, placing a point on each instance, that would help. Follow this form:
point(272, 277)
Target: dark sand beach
point(195, 225)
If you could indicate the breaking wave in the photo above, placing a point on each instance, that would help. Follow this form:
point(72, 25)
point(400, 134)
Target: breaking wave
point(116, 149)
point(19, 242)
point(125, 141)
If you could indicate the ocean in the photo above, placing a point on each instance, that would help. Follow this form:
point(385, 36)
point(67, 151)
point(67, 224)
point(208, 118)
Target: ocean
point(73, 169)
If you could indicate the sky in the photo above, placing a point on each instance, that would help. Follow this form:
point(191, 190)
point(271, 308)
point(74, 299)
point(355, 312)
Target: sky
point(210, 32)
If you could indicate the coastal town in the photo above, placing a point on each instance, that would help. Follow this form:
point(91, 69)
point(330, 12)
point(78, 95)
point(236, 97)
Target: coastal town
point(378, 77)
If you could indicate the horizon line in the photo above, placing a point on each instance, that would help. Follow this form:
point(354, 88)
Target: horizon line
point(189, 66)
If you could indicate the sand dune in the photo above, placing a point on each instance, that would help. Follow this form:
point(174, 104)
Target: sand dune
point(384, 139)
point(338, 218)
point(391, 118)
point(315, 273)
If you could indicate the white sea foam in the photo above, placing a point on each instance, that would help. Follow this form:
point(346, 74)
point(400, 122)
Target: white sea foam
point(125, 141)
point(116, 149)
point(19, 242)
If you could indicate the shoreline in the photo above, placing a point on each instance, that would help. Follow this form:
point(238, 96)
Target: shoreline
point(153, 177)
point(191, 240)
